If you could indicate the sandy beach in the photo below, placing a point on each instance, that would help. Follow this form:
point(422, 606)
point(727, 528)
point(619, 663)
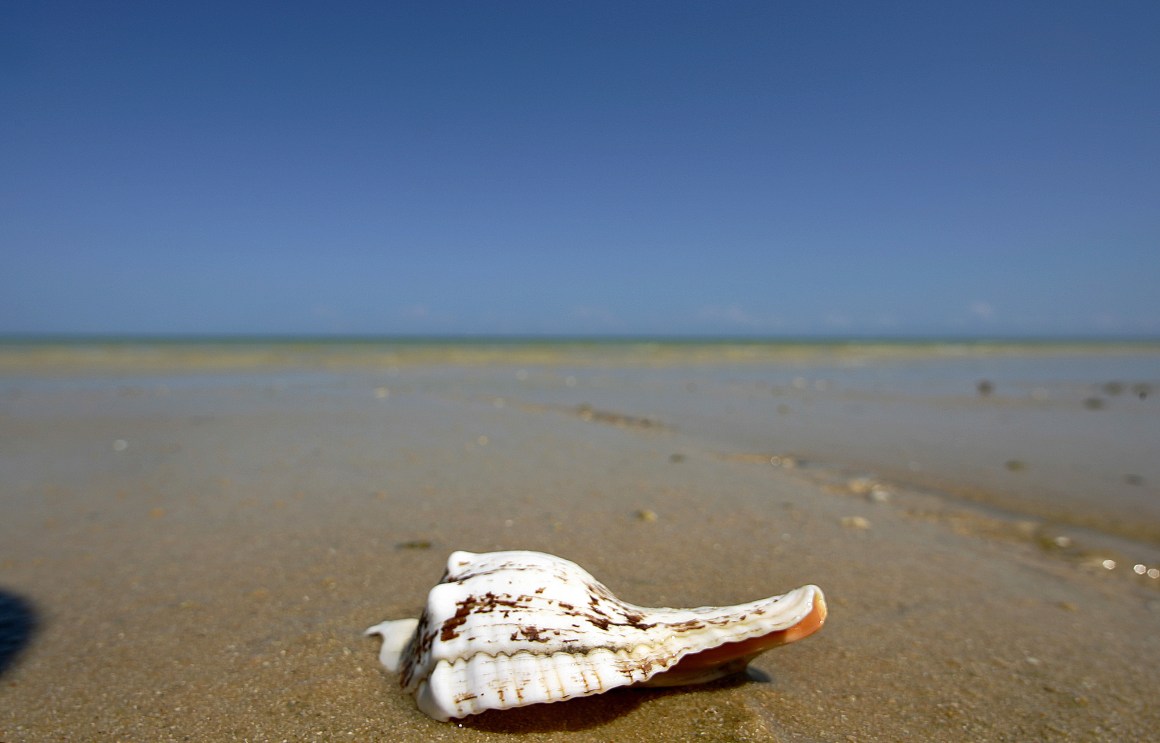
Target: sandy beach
point(192, 541)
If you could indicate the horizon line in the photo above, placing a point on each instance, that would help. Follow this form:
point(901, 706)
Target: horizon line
point(114, 338)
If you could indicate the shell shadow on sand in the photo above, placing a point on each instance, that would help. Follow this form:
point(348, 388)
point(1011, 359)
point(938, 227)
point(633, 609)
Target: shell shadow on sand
point(18, 623)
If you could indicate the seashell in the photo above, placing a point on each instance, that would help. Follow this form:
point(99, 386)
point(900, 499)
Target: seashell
point(509, 629)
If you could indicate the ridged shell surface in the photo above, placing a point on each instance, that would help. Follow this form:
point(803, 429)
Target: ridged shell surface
point(508, 629)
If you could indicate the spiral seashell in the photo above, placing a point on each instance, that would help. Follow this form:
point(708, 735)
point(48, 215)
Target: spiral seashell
point(509, 629)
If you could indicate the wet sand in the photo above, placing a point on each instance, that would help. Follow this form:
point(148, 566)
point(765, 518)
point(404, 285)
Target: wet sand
point(193, 555)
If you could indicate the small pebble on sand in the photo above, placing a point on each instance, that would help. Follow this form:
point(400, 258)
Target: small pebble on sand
point(646, 515)
point(860, 485)
point(414, 544)
point(855, 522)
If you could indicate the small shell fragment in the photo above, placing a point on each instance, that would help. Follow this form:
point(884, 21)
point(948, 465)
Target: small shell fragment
point(509, 629)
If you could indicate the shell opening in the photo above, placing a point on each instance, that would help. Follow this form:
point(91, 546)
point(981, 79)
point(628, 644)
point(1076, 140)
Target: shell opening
point(733, 657)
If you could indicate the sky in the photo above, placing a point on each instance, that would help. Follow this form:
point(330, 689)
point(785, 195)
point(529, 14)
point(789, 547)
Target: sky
point(980, 169)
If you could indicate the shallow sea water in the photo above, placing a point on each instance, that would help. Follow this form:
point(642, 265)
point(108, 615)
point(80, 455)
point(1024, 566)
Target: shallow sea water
point(1064, 432)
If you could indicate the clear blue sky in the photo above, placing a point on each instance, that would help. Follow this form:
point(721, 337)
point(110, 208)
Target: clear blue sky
point(580, 167)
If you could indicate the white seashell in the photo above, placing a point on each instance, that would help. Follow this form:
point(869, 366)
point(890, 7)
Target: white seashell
point(509, 629)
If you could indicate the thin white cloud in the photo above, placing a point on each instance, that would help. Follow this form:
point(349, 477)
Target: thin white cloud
point(424, 315)
point(595, 315)
point(836, 319)
point(735, 315)
point(417, 312)
point(982, 310)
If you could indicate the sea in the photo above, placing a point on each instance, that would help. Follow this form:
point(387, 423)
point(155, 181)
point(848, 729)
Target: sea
point(1062, 431)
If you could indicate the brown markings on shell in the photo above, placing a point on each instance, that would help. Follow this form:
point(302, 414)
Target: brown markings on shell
point(686, 626)
point(419, 645)
point(598, 622)
point(473, 604)
point(462, 578)
point(636, 621)
point(596, 614)
point(599, 598)
point(626, 668)
point(533, 633)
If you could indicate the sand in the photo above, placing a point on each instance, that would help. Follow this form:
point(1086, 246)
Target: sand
point(193, 555)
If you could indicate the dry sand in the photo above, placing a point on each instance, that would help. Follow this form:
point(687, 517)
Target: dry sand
point(184, 559)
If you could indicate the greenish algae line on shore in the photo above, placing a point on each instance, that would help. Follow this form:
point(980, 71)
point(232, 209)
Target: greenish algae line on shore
point(125, 355)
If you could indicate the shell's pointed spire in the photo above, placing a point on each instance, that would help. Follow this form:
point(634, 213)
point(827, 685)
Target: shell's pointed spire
point(509, 629)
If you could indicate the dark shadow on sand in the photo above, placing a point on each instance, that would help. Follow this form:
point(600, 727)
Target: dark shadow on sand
point(591, 712)
point(18, 623)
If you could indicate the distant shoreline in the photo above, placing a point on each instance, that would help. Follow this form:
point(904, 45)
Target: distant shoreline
point(130, 355)
point(510, 340)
